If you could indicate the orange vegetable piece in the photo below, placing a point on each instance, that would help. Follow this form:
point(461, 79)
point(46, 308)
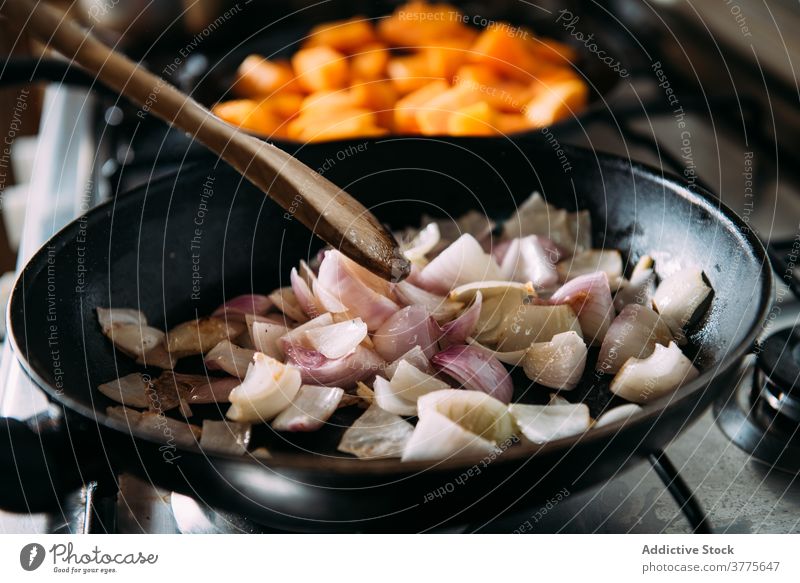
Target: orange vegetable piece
point(433, 117)
point(369, 62)
point(249, 115)
point(478, 119)
point(557, 101)
point(444, 61)
point(510, 123)
point(320, 68)
point(284, 105)
point(328, 100)
point(379, 96)
point(260, 77)
point(476, 75)
point(409, 73)
point(346, 36)
point(505, 50)
point(418, 24)
point(318, 119)
point(405, 110)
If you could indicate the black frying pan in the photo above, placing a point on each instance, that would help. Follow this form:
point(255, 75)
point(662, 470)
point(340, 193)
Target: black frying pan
point(136, 251)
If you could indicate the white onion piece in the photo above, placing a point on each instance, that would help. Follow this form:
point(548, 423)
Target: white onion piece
point(298, 335)
point(310, 409)
point(476, 371)
point(265, 335)
point(286, 301)
point(415, 357)
point(351, 286)
point(387, 400)
point(344, 372)
point(571, 231)
point(159, 357)
point(129, 390)
point(535, 323)
point(647, 379)
point(423, 243)
point(230, 358)
point(303, 294)
point(412, 326)
point(543, 423)
point(526, 259)
point(512, 357)
point(557, 364)
point(440, 307)
point(376, 434)
point(337, 340)
point(239, 307)
point(494, 309)
point(621, 413)
point(200, 336)
point(464, 261)
point(634, 333)
point(458, 330)
point(411, 383)
point(456, 422)
point(590, 297)
point(267, 389)
point(608, 261)
point(114, 317)
point(473, 222)
point(135, 340)
point(157, 426)
point(225, 437)
point(679, 298)
point(639, 289)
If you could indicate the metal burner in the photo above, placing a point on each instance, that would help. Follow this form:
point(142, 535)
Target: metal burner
point(762, 416)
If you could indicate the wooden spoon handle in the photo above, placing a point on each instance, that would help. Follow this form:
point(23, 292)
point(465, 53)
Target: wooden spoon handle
point(326, 210)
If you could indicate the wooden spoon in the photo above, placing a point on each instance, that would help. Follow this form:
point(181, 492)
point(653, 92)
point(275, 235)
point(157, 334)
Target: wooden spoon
point(329, 212)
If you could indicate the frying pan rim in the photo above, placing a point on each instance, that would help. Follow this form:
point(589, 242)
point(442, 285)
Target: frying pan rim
point(695, 196)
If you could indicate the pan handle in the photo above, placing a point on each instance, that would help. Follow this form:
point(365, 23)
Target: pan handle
point(680, 491)
point(35, 468)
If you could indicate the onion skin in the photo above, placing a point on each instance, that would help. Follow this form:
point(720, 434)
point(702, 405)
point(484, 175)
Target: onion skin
point(634, 333)
point(130, 390)
point(316, 369)
point(412, 326)
point(476, 371)
point(557, 364)
point(376, 434)
point(225, 437)
point(647, 379)
point(590, 298)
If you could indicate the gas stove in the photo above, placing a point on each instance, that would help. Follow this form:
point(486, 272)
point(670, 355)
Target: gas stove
point(735, 470)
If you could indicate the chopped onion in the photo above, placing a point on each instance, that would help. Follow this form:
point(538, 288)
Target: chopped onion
point(440, 307)
point(267, 389)
point(476, 371)
point(110, 318)
point(571, 231)
point(266, 334)
point(376, 434)
point(408, 384)
point(129, 390)
point(211, 390)
point(423, 243)
point(230, 358)
point(337, 340)
point(240, 307)
point(159, 357)
point(557, 364)
point(387, 400)
point(647, 379)
point(464, 261)
point(310, 409)
point(639, 289)
point(200, 336)
point(344, 372)
point(412, 326)
point(298, 335)
point(134, 340)
point(352, 287)
point(303, 294)
point(473, 222)
point(526, 259)
point(608, 261)
point(225, 437)
point(457, 331)
point(543, 423)
point(621, 413)
point(157, 426)
point(285, 300)
point(455, 422)
point(492, 289)
point(170, 387)
point(415, 357)
point(590, 298)
point(634, 333)
point(512, 357)
point(498, 300)
point(535, 323)
point(681, 298)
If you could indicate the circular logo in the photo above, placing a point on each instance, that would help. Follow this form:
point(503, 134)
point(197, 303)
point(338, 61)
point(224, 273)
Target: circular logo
point(31, 556)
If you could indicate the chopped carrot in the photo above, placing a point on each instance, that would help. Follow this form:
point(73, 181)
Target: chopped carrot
point(557, 101)
point(328, 100)
point(409, 73)
point(318, 119)
point(510, 123)
point(478, 119)
point(405, 110)
point(369, 63)
point(248, 115)
point(474, 74)
point(433, 117)
point(379, 96)
point(418, 24)
point(260, 77)
point(501, 48)
point(320, 68)
point(444, 61)
point(346, 36)
point(284, 105)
